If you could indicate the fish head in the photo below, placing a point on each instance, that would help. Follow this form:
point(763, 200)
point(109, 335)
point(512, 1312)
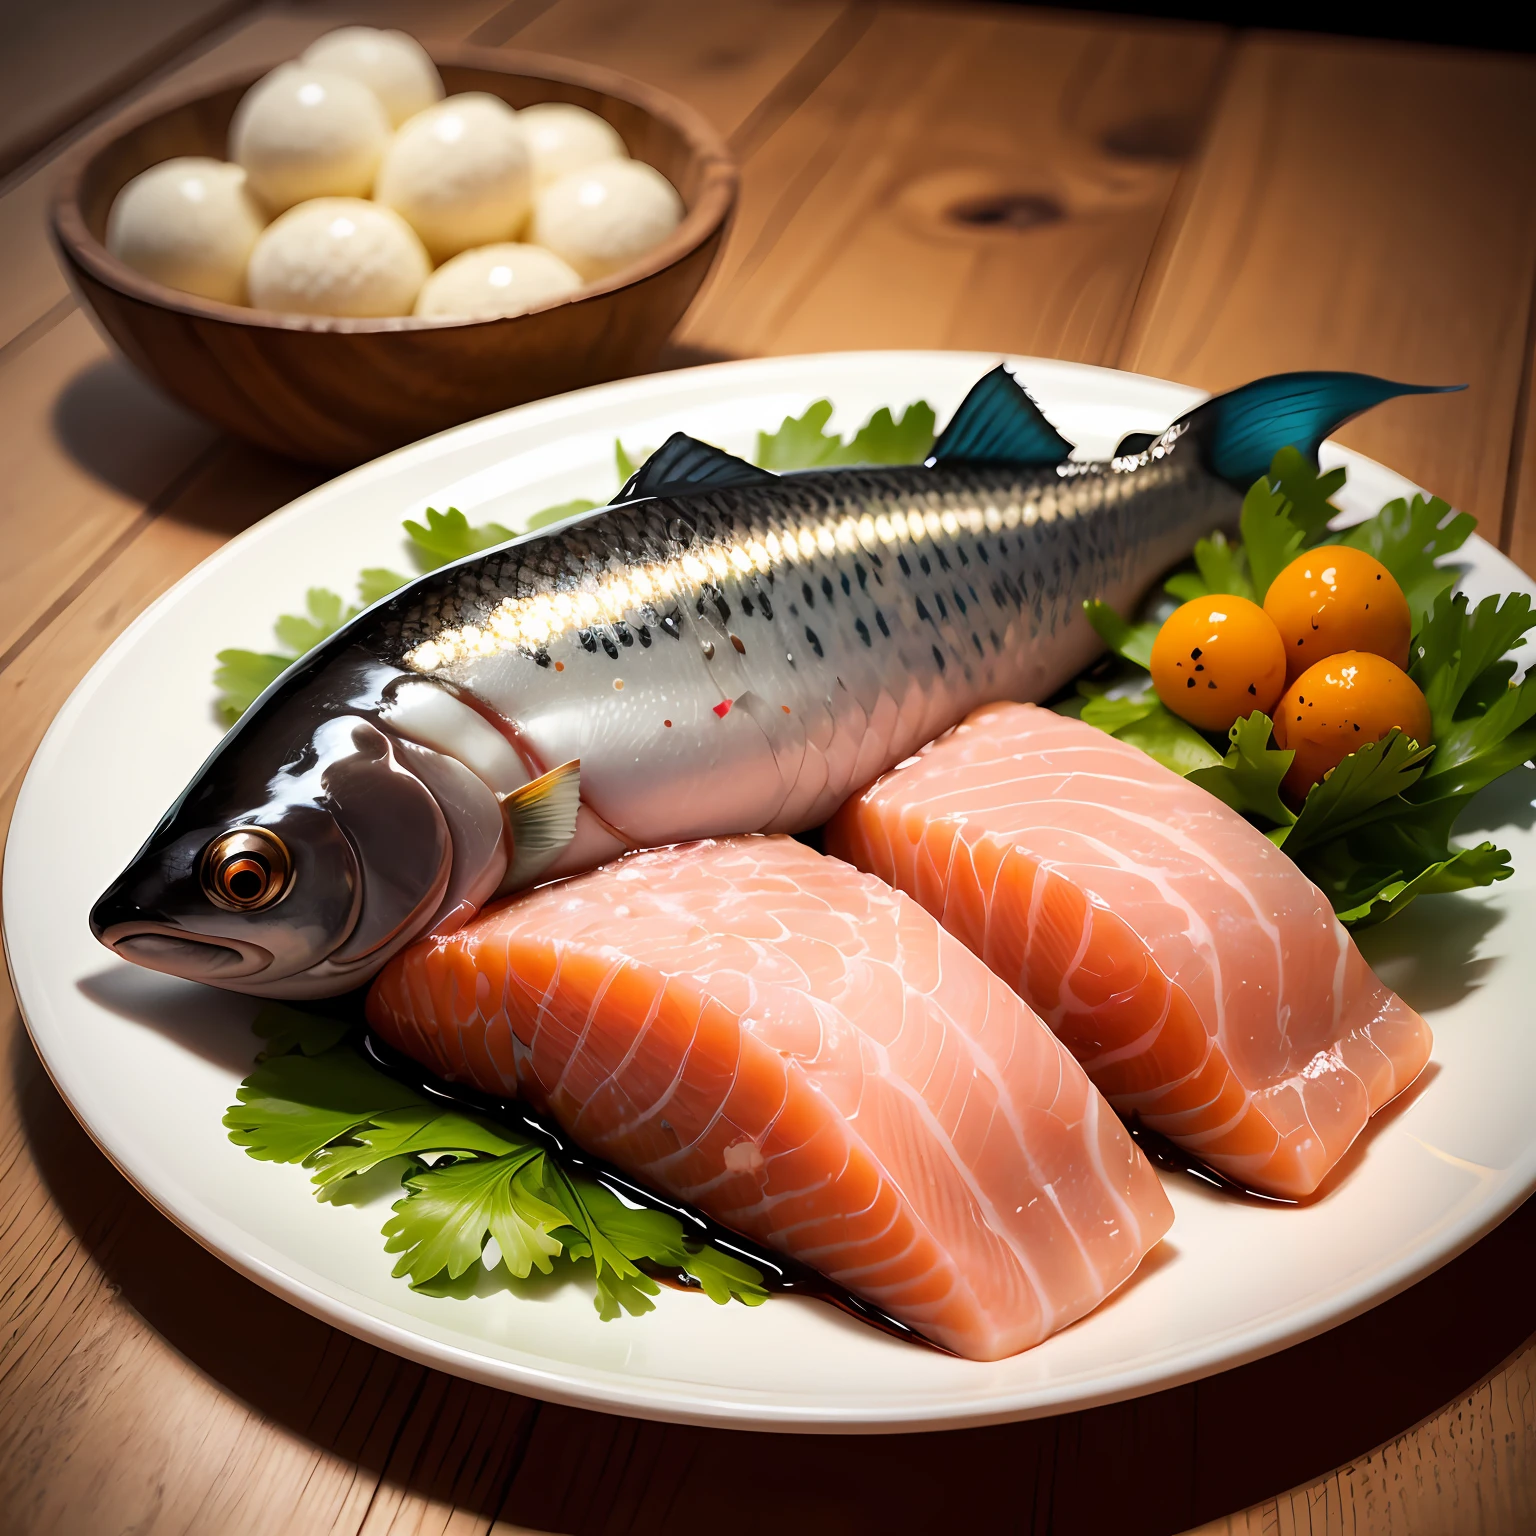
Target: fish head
point(308, 850)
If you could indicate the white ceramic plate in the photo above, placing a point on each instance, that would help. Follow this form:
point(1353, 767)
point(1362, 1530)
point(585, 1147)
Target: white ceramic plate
point(149, 1064)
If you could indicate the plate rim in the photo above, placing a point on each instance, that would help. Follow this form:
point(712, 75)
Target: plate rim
point(642, 1396)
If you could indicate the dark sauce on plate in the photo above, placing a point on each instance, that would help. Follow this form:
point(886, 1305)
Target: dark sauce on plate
point(1162, 1153)
point(780, 1274)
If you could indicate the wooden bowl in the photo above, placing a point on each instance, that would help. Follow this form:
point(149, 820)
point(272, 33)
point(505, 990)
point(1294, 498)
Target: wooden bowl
point(340, 391)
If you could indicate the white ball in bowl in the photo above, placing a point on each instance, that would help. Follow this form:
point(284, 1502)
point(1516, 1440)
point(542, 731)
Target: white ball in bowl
point(458, 174)
point(495, 280)
point(393, 65)
point(338, 256)
point(302, 132)
point(189, 223)
point(563, 137)
point(607, 216)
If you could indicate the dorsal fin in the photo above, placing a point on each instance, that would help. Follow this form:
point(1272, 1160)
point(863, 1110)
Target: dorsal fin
point(1240, 432)
point(683, 464)
point(998, 423)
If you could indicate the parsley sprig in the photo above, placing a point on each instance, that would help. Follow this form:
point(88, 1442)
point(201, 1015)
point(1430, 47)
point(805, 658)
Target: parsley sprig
point(483, 1203)
point(800, 442)
point(1376, 832)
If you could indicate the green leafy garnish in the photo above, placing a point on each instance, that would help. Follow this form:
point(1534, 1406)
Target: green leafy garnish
point(885, 440)
point(293, 1105)
point(1220, 566)
point(1369, 848)
point(560, 512)
point(1354, 794)
point(1132, 641)
point(1271, 540)
point(326, 613)
point(443, 1224)
point(625, 464)
point(1458, 645)
point(1173, 742)
point(448, 536)
point(1141, 718)
point(479, 1196)
point(1248, 777)
point(1286, 511)
point(802, 442)
point(1308, 493)
point(243, 676)
point(1392, 853)
point(1465, 869)
point(1375, 833)
point(288, 1029)
point(376, 583)
point(1477, 749)
point(1408, 538)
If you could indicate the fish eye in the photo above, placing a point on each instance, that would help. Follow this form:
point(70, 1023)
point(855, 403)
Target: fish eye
point(245, 869)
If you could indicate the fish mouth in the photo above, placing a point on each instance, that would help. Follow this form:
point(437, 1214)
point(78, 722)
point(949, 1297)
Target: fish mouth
point(160, 947)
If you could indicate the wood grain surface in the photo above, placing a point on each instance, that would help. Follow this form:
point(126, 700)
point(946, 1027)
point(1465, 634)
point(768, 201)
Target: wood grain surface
point(1181, 200)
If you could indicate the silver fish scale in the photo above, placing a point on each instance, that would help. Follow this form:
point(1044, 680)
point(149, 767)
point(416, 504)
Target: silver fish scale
point(743, 659)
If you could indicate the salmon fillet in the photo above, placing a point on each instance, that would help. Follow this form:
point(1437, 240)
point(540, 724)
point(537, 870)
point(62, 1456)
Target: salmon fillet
point(1201, 979)
point(805, 1055)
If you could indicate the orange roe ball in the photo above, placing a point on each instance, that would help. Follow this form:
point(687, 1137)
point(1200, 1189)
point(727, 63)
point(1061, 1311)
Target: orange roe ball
point(1337, 706)
point(1336, 599)
point(1216, 660)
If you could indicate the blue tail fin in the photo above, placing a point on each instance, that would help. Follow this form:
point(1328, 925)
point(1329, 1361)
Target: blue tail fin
point(1238, 433)
point(998, 423)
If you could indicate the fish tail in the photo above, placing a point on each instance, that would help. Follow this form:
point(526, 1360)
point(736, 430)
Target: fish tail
point(1239, 433)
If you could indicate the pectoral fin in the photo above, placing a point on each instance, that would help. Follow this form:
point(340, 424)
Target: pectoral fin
point(541, 820)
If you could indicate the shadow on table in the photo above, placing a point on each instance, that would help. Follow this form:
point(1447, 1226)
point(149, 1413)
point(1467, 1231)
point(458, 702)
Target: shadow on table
point(1158, 1464)
point(124, 432)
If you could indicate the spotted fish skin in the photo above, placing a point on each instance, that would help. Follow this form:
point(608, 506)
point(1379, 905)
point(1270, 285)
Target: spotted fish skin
point(741, 660)
point(723, 651)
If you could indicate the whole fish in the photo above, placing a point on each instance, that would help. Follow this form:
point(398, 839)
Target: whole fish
point(721, 651)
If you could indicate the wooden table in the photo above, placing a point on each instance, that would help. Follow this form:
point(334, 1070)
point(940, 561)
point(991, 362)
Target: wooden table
point(1179, 200)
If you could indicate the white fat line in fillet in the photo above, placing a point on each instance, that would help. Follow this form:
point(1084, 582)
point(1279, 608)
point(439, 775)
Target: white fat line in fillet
point(1202, 940)
point(1307, 1073)
point(1364, 1036)
point(719, 1112)
point(990, 904)
point(870, 1277)
point(1067, 997)
point(616, 963)
point(658, 1106)
point(919, 1224)
point(1142, 1043)
point(811, 1252)
point(1198, 856)
point(766, 1204)
point(966, 1174)
point(615, 1075)
point(1088, 1129)
point(984, 1062)
point(1170, 1124)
